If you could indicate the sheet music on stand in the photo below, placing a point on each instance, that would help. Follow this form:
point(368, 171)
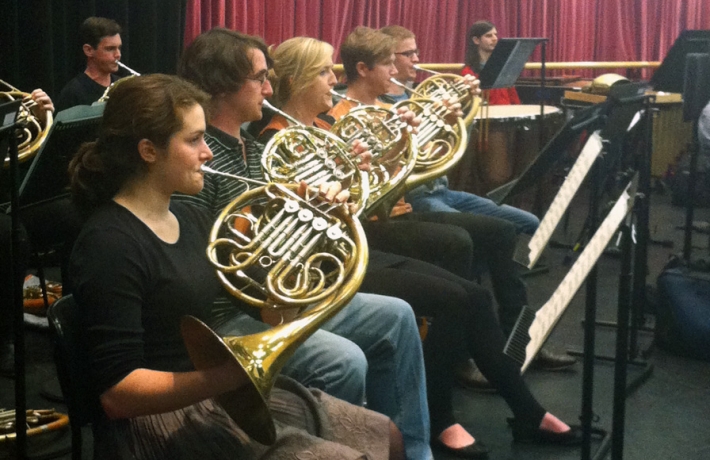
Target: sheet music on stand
point(532, 328)
point(564, 196)
point(507, 62)
point(626, 109)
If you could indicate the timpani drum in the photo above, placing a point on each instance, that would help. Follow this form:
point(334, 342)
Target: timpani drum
point(500, 153)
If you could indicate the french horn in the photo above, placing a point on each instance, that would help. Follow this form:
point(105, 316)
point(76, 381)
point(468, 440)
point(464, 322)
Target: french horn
point(315, 156)
point(441, 139)
point(38, 421)
point(449, 85)
point(34, 133)
point(393, 146)
point(274, 249)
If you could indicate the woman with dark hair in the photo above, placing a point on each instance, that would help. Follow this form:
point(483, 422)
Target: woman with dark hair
point(481, 39)
point(463, 317)
point(139, 265)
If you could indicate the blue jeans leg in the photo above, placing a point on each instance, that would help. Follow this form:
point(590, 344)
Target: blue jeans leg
point(385, 329)
point(447, 200)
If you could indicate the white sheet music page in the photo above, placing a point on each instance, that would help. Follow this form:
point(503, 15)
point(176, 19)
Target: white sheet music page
point(547, 316)
point(564, 196)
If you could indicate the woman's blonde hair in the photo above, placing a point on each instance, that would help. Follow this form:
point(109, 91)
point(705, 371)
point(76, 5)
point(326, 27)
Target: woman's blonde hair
point(297, 62)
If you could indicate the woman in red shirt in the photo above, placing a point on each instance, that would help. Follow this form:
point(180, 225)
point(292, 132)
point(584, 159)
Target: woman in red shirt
point(481, 39)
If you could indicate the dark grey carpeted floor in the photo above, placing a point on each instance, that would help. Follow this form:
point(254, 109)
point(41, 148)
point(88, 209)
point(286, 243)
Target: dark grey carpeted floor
point(667, 418)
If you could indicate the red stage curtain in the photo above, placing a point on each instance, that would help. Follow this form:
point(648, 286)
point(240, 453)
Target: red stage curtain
point(578, 30)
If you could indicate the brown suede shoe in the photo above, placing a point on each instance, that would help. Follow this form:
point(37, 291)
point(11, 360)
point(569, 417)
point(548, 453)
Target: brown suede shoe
point(469, 376)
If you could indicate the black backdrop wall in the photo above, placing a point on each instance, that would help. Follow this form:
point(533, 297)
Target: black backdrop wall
point(39, 44)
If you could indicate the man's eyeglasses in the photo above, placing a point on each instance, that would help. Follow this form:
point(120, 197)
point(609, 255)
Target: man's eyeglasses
point(261, 77)
point(410, 53)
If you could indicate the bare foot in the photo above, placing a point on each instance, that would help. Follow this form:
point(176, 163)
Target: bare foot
point(551, 423)
point(456, 437)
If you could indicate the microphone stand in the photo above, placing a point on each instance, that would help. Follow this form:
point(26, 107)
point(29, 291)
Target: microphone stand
point(540, 190)
point(17, 304)
point(690, 207)
point(632, 281)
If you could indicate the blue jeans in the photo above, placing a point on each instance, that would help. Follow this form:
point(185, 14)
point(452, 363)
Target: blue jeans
point(370, 348)
point(436, 196)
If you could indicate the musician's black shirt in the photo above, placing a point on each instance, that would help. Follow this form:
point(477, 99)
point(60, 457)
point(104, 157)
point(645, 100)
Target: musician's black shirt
point(132, 289)
point(81, 90)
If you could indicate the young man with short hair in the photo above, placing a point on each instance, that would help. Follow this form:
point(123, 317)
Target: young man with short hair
point(406, 56)
point(101, 44)
point(372, 66)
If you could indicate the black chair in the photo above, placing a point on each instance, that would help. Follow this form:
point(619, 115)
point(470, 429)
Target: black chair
point(72, 369)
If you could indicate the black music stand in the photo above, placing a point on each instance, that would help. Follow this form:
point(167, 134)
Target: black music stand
point(630, 118)
point(8, 143)
point(670, 76)
point(587, 119)
point(590, 118)
point(678, 73)
point(47, 179)
point(506, 63)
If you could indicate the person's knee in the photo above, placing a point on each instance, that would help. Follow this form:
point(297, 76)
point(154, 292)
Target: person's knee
point(398, 311)
point(336, 366)
point(524, 221)
point(347, 378)
point(532, 223)
point(478, 296)
point(457, 241)
point(399, 316)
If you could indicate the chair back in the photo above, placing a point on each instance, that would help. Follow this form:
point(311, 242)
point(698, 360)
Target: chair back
point(72, 367)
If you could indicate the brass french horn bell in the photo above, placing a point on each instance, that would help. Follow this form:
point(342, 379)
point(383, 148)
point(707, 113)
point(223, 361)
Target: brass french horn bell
point(34, 133)
point(274, 249)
